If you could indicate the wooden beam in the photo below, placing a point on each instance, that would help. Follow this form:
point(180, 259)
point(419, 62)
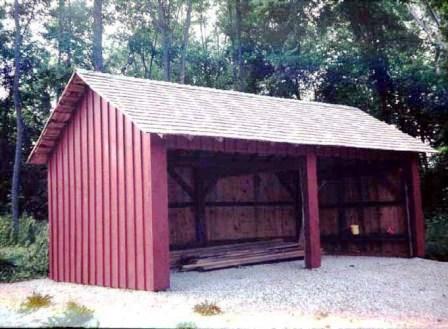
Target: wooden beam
point(209, 182)
point(360, 208)
point(234, 204)
point(298, 204)
point(286, 184)
point(180, 181)
point(311, 203)
point(415, 207)
point(340, 192)
point(385, 181)
point(199, 207)
point(363, 204)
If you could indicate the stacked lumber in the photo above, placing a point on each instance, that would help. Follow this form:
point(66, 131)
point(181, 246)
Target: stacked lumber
point(225, 256)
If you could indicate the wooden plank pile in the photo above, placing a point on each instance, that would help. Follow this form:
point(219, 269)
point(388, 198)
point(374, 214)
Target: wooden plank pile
point(233, 255)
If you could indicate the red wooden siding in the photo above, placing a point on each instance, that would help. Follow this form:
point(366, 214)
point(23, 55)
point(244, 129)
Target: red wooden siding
point(108, 198)
point(108, 202)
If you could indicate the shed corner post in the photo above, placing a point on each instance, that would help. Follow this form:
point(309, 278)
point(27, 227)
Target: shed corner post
point(311, 207)
point(416, 216)
point(159, 269)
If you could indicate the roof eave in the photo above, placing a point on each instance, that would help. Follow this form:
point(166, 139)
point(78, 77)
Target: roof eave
point(57, 120)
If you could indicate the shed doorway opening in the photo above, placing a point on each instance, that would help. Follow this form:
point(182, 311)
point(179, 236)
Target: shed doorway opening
point(364, 207)
point(228, 210)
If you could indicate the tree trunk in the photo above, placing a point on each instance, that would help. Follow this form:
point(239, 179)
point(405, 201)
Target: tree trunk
point(98, 35)
point(163, 24)
point(153, 54)
point(185, 41)
point(15, 188)
point(238, 84)
point(61, 9)
point(70, 34)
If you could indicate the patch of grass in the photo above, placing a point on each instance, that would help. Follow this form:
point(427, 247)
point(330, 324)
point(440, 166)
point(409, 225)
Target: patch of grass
point(321, 315)
point(207, 308)
point(75, 315)
point(79, 309)
point(35, 301)
point(186, 325)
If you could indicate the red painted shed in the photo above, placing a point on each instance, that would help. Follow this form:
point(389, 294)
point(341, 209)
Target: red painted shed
point(139, 168)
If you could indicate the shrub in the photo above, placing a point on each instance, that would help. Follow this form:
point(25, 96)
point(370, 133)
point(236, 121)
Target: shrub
point(186, 325)
point(207, 308)
point(75, 315)
point(29, 231)
point(437, 237)
point(27, 257)
point(35, 301)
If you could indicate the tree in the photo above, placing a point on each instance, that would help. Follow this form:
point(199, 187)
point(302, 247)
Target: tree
point(69, 32)
point(431, 16)
point(97, 51)
point(19, 124)
point(186, 35)
point(164, 8)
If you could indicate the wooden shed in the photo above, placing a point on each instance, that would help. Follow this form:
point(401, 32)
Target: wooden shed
point(141, 169)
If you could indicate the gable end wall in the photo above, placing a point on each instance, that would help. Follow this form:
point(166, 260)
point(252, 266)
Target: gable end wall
point(100, 193)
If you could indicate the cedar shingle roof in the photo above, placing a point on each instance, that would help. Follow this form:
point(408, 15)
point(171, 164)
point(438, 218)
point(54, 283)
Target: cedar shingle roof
point(170, 108)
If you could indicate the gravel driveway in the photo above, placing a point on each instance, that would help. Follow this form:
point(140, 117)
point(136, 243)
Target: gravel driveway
point(344, 292)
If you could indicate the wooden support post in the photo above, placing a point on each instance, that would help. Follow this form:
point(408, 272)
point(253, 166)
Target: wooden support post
point(199, 206)
point(341, 219)
point(156, 217)
point(297, 204)
point(416, 216)
point(311, 203)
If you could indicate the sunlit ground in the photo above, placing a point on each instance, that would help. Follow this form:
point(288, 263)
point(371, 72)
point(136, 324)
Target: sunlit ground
point(347, 292)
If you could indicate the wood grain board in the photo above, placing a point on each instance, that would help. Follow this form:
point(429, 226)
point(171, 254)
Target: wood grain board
point(232, 255)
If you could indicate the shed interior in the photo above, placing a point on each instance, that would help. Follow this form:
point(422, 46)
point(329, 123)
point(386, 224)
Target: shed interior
point(218, 198)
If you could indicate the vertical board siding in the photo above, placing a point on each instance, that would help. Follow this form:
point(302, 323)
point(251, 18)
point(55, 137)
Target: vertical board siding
point(139, 219)
point(130, 203)
point(51, 229)
point(121, 204)
point(92, 187)
point(78, 197)
point(60, 210)
point(84, 191)
point(159, 213)
point(108, 202)
point(99, 191)
point(114, 188)
point(147, 206)
point(72, 198)
point(107, 223)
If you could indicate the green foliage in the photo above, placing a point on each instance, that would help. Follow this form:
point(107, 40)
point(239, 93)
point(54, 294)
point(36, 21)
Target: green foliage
point(35, 302)
point(437, 237)
point(207, 308)
point(75, 315)
point(30, 231)
point(369, 54)
point(28, 257)
point(186, 325)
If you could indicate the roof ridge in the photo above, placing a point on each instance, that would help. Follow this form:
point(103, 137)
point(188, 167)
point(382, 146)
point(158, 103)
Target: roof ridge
point(215, 90)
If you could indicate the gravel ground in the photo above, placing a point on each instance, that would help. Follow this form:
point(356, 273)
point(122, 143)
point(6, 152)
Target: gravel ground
point(344, 292)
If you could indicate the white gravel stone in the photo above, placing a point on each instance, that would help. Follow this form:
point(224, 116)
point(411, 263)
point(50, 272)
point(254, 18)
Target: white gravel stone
point(344, 292)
